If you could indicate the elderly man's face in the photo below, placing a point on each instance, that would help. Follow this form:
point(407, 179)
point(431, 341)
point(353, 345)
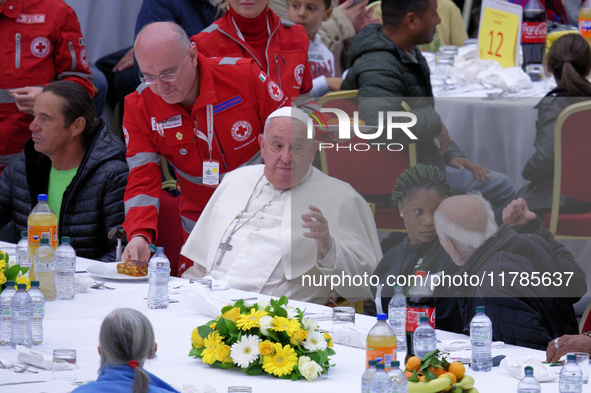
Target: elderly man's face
point(287, 152)
point(168, 61)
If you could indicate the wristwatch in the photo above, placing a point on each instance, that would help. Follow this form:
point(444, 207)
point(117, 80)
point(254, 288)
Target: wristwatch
point(588, 333)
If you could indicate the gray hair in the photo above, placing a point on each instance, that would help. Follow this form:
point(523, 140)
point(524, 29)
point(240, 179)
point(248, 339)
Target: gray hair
point(126, 334)
point(183, 38)
point(466, 240)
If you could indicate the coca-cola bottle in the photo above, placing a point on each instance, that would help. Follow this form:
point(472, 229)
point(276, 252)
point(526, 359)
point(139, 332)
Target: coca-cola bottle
point(419, 300)
point(533, 33)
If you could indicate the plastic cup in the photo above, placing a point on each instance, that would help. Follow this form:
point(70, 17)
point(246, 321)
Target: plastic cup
point(583, 362)
point(65, 364)
point(239, 389)
point(343, 316)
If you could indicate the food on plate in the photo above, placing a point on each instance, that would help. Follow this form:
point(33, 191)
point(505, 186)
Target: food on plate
point(133, 268)
point(434, 373)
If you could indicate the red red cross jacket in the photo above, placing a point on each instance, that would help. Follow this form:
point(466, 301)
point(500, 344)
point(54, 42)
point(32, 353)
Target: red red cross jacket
point(287, 50)
point(41, 42)
point(152, 128)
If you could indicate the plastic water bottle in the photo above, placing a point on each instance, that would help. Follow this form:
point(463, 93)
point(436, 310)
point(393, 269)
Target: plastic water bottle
point(158, 275)
point(397, 320)
point(38, 312)
point(45, 269)
point(366, 377)
point(5, 323)
point(424, 338)
point(20, 314)
point(399, 380)
point(381, 342)
point(481, 339)
point(380, 381)
point(529, 384)
point(571, 376)
point(22, 252)
point(419, 300)
point(65, 269)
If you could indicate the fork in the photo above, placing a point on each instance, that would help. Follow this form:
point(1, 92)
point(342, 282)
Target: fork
point(99, 284)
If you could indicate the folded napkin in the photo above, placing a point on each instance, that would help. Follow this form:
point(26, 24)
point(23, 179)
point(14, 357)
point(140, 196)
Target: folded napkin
point(515, 365)
point(350, 336)
point(218, 285)
point(463, 345)
point(82, 283)
point(35, 357)
point(202, 300)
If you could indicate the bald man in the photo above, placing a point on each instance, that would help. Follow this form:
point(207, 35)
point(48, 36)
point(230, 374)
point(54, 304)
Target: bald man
point(527, 281)
point(193, 111)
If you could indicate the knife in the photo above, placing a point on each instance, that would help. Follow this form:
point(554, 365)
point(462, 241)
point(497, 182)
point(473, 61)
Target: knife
point(20, 383)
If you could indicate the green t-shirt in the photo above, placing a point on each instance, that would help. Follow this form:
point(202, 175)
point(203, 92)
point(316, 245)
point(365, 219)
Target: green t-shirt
point(58, 182)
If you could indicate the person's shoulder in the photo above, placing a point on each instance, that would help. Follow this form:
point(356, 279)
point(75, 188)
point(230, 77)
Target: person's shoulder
point(244, 173)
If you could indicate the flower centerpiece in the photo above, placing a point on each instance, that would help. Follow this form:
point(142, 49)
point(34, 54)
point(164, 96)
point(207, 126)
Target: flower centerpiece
point(11, 272)
point(271, 338)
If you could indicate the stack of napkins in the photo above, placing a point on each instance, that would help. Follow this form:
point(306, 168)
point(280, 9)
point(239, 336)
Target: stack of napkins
point(35, 357)
point(515, 365)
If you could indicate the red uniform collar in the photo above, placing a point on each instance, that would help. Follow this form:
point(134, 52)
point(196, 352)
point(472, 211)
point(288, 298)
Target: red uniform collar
point(206, 87)
point(6, 10)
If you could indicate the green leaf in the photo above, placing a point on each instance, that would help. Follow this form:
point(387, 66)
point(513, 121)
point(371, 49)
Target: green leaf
point(330, 351)
point(223, 366)
point(193, 352)
point(273, 334)
point(414, 377)
point(12, 272)
point(204, 331)
point(283, 300)
point(254, 369)
point(295, 376)
point(428, 374)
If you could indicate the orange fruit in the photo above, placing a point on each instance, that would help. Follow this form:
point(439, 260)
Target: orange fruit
point(451, 383)
point(453, 377)
point(422, 378)
point(408, 374)
point(437, 371)
point(457, 369)
point(413, 363)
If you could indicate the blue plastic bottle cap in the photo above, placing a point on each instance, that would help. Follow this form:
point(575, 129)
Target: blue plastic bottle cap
point(24, 286)
point(395, 363)
point(34, 283)
point(372, 363)
point(379, 366)
point(480, 309)
point(424, 319)
point(528, 370)
point(42, 197)
point(24, 233)
point(10, 283)
point(570, 356)
point(382, 317)
point(65, 239)
point(44, 240)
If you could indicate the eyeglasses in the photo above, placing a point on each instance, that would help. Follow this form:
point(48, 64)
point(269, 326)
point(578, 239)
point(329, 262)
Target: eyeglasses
point(151, 79)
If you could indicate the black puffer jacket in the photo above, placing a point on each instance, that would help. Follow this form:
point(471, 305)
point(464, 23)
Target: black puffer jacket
point(386, 75)
point(521, 314)
point(92, 203)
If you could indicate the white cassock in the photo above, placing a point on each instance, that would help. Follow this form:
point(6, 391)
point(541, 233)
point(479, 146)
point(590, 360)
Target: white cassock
point(269, 253)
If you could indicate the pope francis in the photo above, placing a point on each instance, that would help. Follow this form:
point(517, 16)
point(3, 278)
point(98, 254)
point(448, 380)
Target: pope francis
point(285, 228)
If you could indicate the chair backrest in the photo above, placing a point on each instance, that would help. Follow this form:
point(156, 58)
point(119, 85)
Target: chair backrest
point(571, 157)
point(170, 229)
point(585, 324)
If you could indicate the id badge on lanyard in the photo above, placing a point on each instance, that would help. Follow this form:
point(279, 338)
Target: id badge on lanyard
point(211, 168)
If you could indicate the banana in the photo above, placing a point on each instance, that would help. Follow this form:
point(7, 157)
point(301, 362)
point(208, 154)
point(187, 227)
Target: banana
point(457, 389)
point(473, 390)
point(433, 386)
point(466, 383)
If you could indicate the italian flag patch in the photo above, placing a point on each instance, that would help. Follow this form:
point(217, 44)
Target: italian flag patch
point(262, 77)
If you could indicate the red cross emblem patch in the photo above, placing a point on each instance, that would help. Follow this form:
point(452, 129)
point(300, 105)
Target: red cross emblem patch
point(40, 47)
point(83, 58)
point(275, 91)
point(299, 73)
point(241, 130)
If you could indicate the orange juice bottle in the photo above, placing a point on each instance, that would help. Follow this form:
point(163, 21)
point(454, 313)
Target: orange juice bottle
point(585, 21)
point(42, 224)
point(381, 343)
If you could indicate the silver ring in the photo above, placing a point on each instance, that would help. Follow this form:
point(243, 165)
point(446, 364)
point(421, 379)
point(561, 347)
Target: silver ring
point(556, 343)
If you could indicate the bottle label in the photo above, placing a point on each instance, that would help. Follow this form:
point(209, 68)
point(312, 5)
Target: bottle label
point(37, 232)
point(412, 319)
point(585, 27)
point(533, 32)
point(381, 355)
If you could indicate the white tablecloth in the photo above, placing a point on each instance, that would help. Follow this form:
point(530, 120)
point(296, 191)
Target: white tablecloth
point(75, 324)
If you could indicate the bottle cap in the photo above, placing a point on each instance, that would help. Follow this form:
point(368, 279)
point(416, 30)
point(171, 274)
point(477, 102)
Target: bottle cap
point(382, 317)
point(152, 248)
point(569, 356)
point(10, 283)
point(424, 319)
point(44, 240)
point(65, 239)
point(21, 286)
point(395, 363)
point(380, 366)
point(24, 233)
point(421, 273)
point(372, 363)
point(42, 197)
point(34, 283)
point(528, 370)
point(480, 309)
point(398, 288)
point(160, 249)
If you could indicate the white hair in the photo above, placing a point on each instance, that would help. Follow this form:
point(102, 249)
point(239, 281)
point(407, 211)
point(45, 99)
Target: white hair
point(465, 239)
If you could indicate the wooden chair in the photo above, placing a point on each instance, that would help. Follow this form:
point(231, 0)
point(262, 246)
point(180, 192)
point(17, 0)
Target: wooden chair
point(572, 177)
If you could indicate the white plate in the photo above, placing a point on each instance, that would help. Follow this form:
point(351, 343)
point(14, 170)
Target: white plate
point(109, 270)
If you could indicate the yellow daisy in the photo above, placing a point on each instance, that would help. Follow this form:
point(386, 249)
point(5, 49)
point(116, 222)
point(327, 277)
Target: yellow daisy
point(282, 362)
point(282, 324)
point(329, 338)
point(22, 280)
point(232, 314)
point(211, 344)
point(248, 321)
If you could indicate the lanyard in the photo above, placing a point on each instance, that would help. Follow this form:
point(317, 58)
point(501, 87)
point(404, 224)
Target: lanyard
point(209, 137)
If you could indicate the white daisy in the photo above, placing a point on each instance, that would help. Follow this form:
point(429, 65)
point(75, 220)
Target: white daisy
point(315, 341)
point(292, 312)
point(309, 324)
point(245, 351)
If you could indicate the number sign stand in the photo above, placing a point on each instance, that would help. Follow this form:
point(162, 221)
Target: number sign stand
point(500, 32)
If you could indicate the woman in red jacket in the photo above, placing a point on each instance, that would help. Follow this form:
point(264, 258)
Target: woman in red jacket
point(250, 29)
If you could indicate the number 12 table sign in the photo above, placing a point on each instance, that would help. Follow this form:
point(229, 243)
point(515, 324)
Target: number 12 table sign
point(500, 32)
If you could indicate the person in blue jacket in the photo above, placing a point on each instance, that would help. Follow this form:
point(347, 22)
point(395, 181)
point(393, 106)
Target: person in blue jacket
point(126, 340)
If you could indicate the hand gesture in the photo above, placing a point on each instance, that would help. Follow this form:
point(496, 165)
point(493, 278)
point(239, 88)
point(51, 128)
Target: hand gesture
point(315, 221)
point(517, 213)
